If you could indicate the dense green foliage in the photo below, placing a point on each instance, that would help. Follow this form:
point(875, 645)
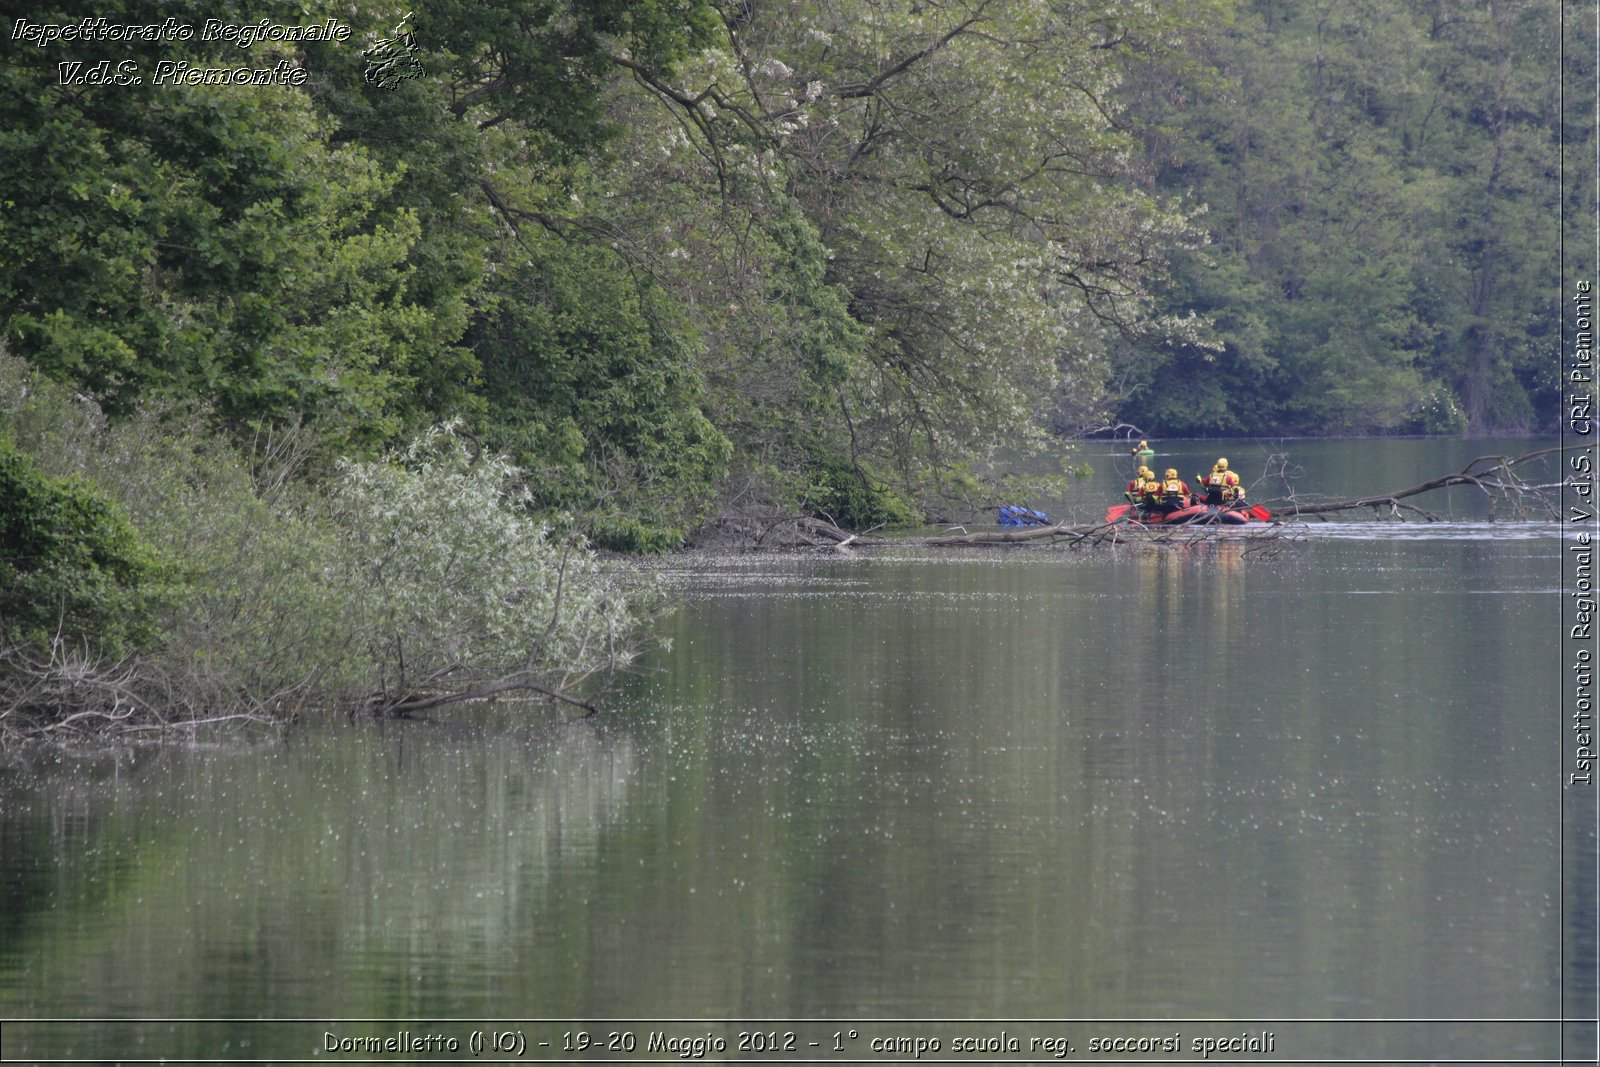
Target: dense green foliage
point(420, 569)
point(852, 498)
point(216, 242)
point(1383, 198)
point(597, 396)
point(670, 253)
point(72, 567)
point(676, 257)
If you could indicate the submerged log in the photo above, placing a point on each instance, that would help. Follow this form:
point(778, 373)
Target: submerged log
point(421, 701)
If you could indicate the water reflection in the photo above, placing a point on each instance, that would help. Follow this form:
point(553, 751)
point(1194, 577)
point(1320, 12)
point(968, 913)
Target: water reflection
point(1148, 782)
point(390, 869)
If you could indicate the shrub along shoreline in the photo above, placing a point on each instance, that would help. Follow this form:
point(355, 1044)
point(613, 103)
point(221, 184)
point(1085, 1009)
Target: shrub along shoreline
point(153, 576)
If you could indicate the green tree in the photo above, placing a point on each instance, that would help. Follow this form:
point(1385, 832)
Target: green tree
point(72, 567)
point(212, 242)
point(597, 395)
point(1375, 174)
point(1499, 93)
point(977, 206)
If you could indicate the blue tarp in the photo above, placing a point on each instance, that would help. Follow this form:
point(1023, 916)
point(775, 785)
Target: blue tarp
point(1016, 515)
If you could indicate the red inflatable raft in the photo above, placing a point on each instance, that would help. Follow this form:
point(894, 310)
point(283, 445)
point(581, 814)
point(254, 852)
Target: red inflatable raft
point(1194, 515)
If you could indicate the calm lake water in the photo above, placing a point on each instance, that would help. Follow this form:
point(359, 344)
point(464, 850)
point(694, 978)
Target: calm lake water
point(1311, 791)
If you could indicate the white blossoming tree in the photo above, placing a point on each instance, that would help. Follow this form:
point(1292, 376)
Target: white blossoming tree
point(458, 593)
point(980, 208)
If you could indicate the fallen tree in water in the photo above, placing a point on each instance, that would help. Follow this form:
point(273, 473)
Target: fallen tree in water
point(1500, 478)
point(804, 531)
point(1497, 477)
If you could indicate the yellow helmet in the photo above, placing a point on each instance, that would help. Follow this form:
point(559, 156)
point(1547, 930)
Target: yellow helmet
point(1222, 464)
point(1144, 472)
point(1144, 444)
point(1171, 472)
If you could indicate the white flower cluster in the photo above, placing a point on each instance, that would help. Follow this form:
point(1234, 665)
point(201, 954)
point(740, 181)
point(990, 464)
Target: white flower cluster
point(458, 579)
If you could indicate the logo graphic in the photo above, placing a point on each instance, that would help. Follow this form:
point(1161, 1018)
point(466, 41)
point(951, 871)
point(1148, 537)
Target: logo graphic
point(393, 59)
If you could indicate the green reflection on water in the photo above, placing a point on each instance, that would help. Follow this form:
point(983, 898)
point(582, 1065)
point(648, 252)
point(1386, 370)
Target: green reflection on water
point(1037, 784)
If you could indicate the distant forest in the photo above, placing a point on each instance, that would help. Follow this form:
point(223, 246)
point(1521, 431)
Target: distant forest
point(675, 256)
point(1382, 193)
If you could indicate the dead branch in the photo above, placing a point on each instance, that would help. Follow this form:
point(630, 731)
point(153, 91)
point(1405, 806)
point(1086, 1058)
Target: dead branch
point(1495, 476)
point(67, 695)
point(415, 702)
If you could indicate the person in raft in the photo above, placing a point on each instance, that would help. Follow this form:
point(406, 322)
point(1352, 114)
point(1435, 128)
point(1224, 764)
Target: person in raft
point(1144, 454)
point(1174, 492)
point(1151, 497)
point(1215, 484)
point(1135, 491)
point(1232, 491)
point(1222, 486)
